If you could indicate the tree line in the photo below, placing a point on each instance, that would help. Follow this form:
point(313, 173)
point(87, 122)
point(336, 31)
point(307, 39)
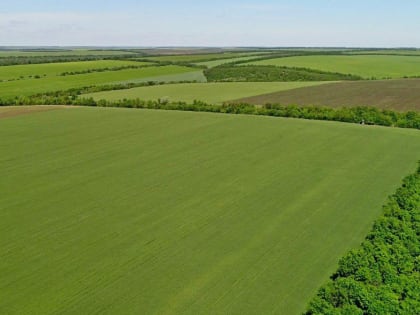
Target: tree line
point(105, 69)
point(27, 60)
point(382, 276)
point(362, 114)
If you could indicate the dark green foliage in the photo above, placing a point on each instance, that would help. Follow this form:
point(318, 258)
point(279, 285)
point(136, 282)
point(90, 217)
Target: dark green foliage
point(383, 275)
point(288, 53)
point(252, 73)
point(173, 63)
point(365, 115)
point(108, 69)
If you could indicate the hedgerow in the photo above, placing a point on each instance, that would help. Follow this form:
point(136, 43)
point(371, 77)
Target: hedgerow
point(254, 73)
point(365, 115)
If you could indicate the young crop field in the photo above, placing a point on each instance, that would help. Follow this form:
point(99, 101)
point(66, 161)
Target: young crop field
point(56, 83)
point(399, 95)
point(193, 75)
point(363, 65)
point(214, 93)
point(124, 211)
point(215, 63)
point(54, 69)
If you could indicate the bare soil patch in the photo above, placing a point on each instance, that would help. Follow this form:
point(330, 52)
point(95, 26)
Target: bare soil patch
point(399, 95)
point(11, 111)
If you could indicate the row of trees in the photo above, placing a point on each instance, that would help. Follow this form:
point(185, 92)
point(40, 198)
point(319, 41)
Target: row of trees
point(66, 73)
point(368, 115)
point(173, 63)
point(25, 60)
point(383, 275)
point(253, 73)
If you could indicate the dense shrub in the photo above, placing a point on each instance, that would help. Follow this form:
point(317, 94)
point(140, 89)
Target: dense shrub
point(365, 115)
point(107, 69)
point(231, 73)
point(383, 275)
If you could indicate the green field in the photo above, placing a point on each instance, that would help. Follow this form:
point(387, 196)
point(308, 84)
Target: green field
point(214, 93)
point(49, 84)
point(193, 75)
point(363, 65)
point(119, 211)
point(215, 63)
point(54, 69)
point(203, 57)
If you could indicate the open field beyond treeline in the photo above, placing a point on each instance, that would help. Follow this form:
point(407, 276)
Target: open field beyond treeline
point(194, 58)
point(124, 211)
point(56, 83)
point(214, 93)
point(399, 95)
point(22, 72)
point(367, 66)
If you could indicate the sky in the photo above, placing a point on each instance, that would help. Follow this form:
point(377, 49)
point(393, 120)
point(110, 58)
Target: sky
point(303, 23)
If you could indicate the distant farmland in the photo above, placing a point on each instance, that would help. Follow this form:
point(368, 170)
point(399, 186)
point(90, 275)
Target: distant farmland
point(400, 95)
point(203, 57)
point(366, 66)
point(55, 83)
point(207, 92)
point(123, 211)
point(218, 62)
point(54, 69)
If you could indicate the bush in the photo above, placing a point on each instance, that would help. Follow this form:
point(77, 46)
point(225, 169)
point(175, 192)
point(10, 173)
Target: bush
point(368, 115)
point(231, 73)
point(382, 276)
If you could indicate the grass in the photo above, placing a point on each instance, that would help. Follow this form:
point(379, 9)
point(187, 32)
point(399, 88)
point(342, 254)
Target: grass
point(214, 93)
point(53, 69)
point(364, 65)
point(399, 95)
point(119, 211)
point(49, 84)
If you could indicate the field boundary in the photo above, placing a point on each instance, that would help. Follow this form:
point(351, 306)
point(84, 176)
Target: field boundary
point(360, 115)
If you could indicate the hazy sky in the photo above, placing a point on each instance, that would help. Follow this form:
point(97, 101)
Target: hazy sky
point(384, 23)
